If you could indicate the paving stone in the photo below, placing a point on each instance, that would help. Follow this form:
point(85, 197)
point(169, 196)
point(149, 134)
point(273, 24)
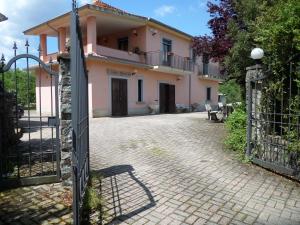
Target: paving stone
point(165, 169)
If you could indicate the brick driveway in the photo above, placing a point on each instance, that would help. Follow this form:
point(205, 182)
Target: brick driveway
point(172, 169)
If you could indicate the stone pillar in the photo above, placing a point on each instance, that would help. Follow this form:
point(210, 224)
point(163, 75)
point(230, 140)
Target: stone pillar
point(91, 35)
point(65, 118)
point(62, 39)
point(43, 42)
point(253, 72)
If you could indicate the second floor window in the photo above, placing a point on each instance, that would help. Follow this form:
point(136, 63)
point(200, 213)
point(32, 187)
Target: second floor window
point(205, 61)
point(123, 44)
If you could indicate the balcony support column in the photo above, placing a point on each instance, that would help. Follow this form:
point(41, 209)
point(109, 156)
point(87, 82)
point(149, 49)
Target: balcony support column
point(91, 35)
point(62, 39)
point(43, 43)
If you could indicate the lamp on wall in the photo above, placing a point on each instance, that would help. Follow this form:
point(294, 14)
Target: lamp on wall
point(153, 31)
point(134, 72)
point(134, 32)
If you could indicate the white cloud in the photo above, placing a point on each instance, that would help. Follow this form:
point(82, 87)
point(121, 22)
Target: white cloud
point(164, 10)
point(23, 14)
point(83, 2)
point(198, 5)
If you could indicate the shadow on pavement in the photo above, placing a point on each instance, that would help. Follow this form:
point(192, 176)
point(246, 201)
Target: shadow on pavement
point(123, 193)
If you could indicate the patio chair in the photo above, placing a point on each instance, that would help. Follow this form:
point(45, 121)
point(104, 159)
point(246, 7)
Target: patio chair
point(212, 115)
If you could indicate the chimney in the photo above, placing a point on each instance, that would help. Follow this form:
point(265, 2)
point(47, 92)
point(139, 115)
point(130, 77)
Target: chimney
point(95, 1)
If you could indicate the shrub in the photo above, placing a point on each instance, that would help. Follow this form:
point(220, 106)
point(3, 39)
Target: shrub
point(236, 125)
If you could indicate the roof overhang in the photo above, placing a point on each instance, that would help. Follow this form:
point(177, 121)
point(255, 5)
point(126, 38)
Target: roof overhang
point(117, 21)
point(2, 17)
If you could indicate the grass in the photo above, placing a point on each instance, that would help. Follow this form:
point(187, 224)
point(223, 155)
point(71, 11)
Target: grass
point(157, 151)
point(93, 201)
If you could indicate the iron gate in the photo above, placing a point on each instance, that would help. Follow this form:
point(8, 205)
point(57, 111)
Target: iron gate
point(29, 136)
point(80, 117)
point(273, 121)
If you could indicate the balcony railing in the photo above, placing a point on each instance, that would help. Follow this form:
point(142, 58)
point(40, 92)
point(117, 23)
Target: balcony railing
point(52, 56)
point(115, 53)
point(207, 72)
point(157, 58)
point(169, 59)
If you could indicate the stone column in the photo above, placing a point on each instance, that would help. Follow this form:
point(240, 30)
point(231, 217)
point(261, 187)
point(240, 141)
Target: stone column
point(65, 118)
point(253, 72)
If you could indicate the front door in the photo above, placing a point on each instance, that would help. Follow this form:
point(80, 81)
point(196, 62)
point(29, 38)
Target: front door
point(167, 98)
point(119, 97)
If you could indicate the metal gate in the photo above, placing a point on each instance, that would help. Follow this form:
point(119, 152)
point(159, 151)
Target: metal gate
point(29, 136)
point(80, 117)
point(273, 138)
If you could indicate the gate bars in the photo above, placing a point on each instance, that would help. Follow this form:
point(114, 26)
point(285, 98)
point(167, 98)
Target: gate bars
point(33, 157)
point(273, 133)
point(80, 117)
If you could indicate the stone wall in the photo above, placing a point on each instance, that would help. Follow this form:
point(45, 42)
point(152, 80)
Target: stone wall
point(66, 118)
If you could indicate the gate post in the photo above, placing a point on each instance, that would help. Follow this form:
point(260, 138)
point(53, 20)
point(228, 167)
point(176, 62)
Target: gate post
point(253, 72)
point(66, 118)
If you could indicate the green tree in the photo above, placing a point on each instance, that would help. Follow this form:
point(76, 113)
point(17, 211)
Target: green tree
point(277, 31)
point(25, 86)
point(231, 90)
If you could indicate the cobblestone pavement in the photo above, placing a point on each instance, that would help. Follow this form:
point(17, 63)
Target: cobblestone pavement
point(43, 204)
point(171, 169)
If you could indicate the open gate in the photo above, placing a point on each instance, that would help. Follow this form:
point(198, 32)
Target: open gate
point(29, 136)
point(80, 117)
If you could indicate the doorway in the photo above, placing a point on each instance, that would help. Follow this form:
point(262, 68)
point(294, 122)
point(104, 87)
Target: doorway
point(167, 98)
point(119, 97)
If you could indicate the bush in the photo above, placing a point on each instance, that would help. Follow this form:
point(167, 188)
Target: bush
point(231, 90)
point(236, 125)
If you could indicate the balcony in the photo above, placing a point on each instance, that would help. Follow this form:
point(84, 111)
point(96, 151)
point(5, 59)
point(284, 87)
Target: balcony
point(210, 72)
point(159, 61)
point(169, 62)
point(121, 55)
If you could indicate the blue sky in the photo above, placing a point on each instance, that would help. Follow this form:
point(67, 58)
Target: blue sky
point(189, 16)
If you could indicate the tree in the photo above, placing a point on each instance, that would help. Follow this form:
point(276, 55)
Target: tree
point(217, 45)
point(233, 35)
point(231, 90)
point(277, 31)
point(25, 85)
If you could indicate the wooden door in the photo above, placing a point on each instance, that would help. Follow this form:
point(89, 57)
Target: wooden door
point(171, 99)
point(119, 97)
point(162, 98)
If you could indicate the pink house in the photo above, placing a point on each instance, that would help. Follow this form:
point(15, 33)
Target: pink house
point(136, 64)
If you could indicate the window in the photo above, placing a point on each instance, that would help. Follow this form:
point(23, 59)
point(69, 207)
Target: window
point(208, 94)
point(123, 44)
point(140, 90)
point(205, 61)
point(166, 52)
